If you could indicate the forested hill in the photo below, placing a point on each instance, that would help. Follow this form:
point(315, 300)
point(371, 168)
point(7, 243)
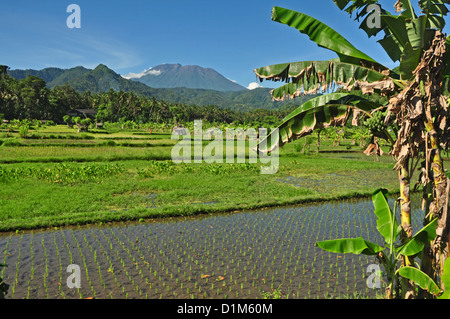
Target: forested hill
point(102, 79)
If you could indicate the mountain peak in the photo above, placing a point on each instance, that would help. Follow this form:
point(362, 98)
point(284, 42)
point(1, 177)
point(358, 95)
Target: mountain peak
point(188, 76)
point(101, 66)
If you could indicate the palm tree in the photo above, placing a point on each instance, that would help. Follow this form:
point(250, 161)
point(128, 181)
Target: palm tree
point(3, 71)
point(414, 88)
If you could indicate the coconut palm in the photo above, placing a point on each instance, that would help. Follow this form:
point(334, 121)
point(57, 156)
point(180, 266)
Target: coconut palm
point(416, 108)
point(3, 71)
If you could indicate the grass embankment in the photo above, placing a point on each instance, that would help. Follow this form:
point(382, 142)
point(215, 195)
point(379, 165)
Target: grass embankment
point(42, 186)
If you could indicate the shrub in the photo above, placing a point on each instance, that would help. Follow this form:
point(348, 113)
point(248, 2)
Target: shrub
point(23, 131)
point(109, 143)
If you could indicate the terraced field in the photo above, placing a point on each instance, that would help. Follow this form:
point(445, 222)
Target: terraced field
point(140, 226)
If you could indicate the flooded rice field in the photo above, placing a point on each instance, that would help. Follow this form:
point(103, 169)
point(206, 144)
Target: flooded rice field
point(254, 254)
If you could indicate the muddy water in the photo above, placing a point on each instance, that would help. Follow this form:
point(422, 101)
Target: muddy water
point(239, 255)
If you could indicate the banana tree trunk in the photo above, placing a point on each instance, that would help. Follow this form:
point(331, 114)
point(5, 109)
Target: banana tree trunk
point(439, 206)
point(318, 141)
point(405, 217)
point(427, 256)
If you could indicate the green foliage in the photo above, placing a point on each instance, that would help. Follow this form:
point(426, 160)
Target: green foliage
point(62, 173)
point(420, 278)
point(323, 111)
point(446, 280)
point(85, 122)
point(391, 254)
point(375, 123)
point(350, 245)
point(29, 98)
point(23, 131)
point(274, 294)
point(76, 119)
point(56, 91)
point(387, 224)
point(170, 168)
point(327, 38)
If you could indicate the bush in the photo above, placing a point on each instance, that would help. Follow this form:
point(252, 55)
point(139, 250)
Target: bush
point(109, 143)
point(23, 131)
point(85, 136)
point(85, 122)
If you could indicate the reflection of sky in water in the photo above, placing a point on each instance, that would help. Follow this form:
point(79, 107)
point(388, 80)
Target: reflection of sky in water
point(253, 251)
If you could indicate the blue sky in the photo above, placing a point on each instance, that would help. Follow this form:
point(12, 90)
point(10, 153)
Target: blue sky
point(232, 37)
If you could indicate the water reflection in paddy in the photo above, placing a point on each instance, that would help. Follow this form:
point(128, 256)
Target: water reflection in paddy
point(239, 255)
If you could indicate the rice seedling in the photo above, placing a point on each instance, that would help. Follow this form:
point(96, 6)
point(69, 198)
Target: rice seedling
point(234, 255)
point(16, 277)
point(6, 254)
point(61, 292)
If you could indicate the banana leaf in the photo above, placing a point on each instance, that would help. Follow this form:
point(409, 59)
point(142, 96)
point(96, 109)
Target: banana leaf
point(419, 240)
point(323, 35)
point(420, 278)
point(323, 111)
point(350, 245)
point(406, 9)
point(434, 12)
point(406, 34)
point(310, 76)
point(409, 60)
point(397, 27)
point(416, 244)
point(386, 222)
point(446, 280)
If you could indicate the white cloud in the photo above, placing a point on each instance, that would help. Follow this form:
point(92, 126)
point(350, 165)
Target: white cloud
point(253, 86)
point(150, 71)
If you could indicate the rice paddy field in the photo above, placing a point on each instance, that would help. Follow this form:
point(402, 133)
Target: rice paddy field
point(139, 226)
point(252, 254)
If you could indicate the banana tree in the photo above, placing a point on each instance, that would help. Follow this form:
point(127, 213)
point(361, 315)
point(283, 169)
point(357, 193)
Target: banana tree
point(414, 89)
point(390, 254)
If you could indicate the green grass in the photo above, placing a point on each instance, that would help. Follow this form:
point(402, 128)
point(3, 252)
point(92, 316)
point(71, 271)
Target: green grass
point(146, 189)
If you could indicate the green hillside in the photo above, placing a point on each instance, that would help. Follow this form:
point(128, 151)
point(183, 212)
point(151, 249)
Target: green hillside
point(102, 79)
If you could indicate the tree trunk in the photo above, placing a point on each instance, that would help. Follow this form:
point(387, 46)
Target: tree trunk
point(439, 206)
point(318, 141)
point(405, 217)
point(427, 255)
point(422, 114)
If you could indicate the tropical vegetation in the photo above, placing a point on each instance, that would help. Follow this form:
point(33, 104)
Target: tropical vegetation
point(31, 99)
point(414, 120)
point(102, 79)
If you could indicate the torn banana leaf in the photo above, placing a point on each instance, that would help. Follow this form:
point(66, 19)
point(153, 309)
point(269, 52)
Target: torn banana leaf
point(308, 77)
point(324, 36)
point(333, 109)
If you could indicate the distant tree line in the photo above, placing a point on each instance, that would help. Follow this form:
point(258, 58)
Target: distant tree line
point(31, 99)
